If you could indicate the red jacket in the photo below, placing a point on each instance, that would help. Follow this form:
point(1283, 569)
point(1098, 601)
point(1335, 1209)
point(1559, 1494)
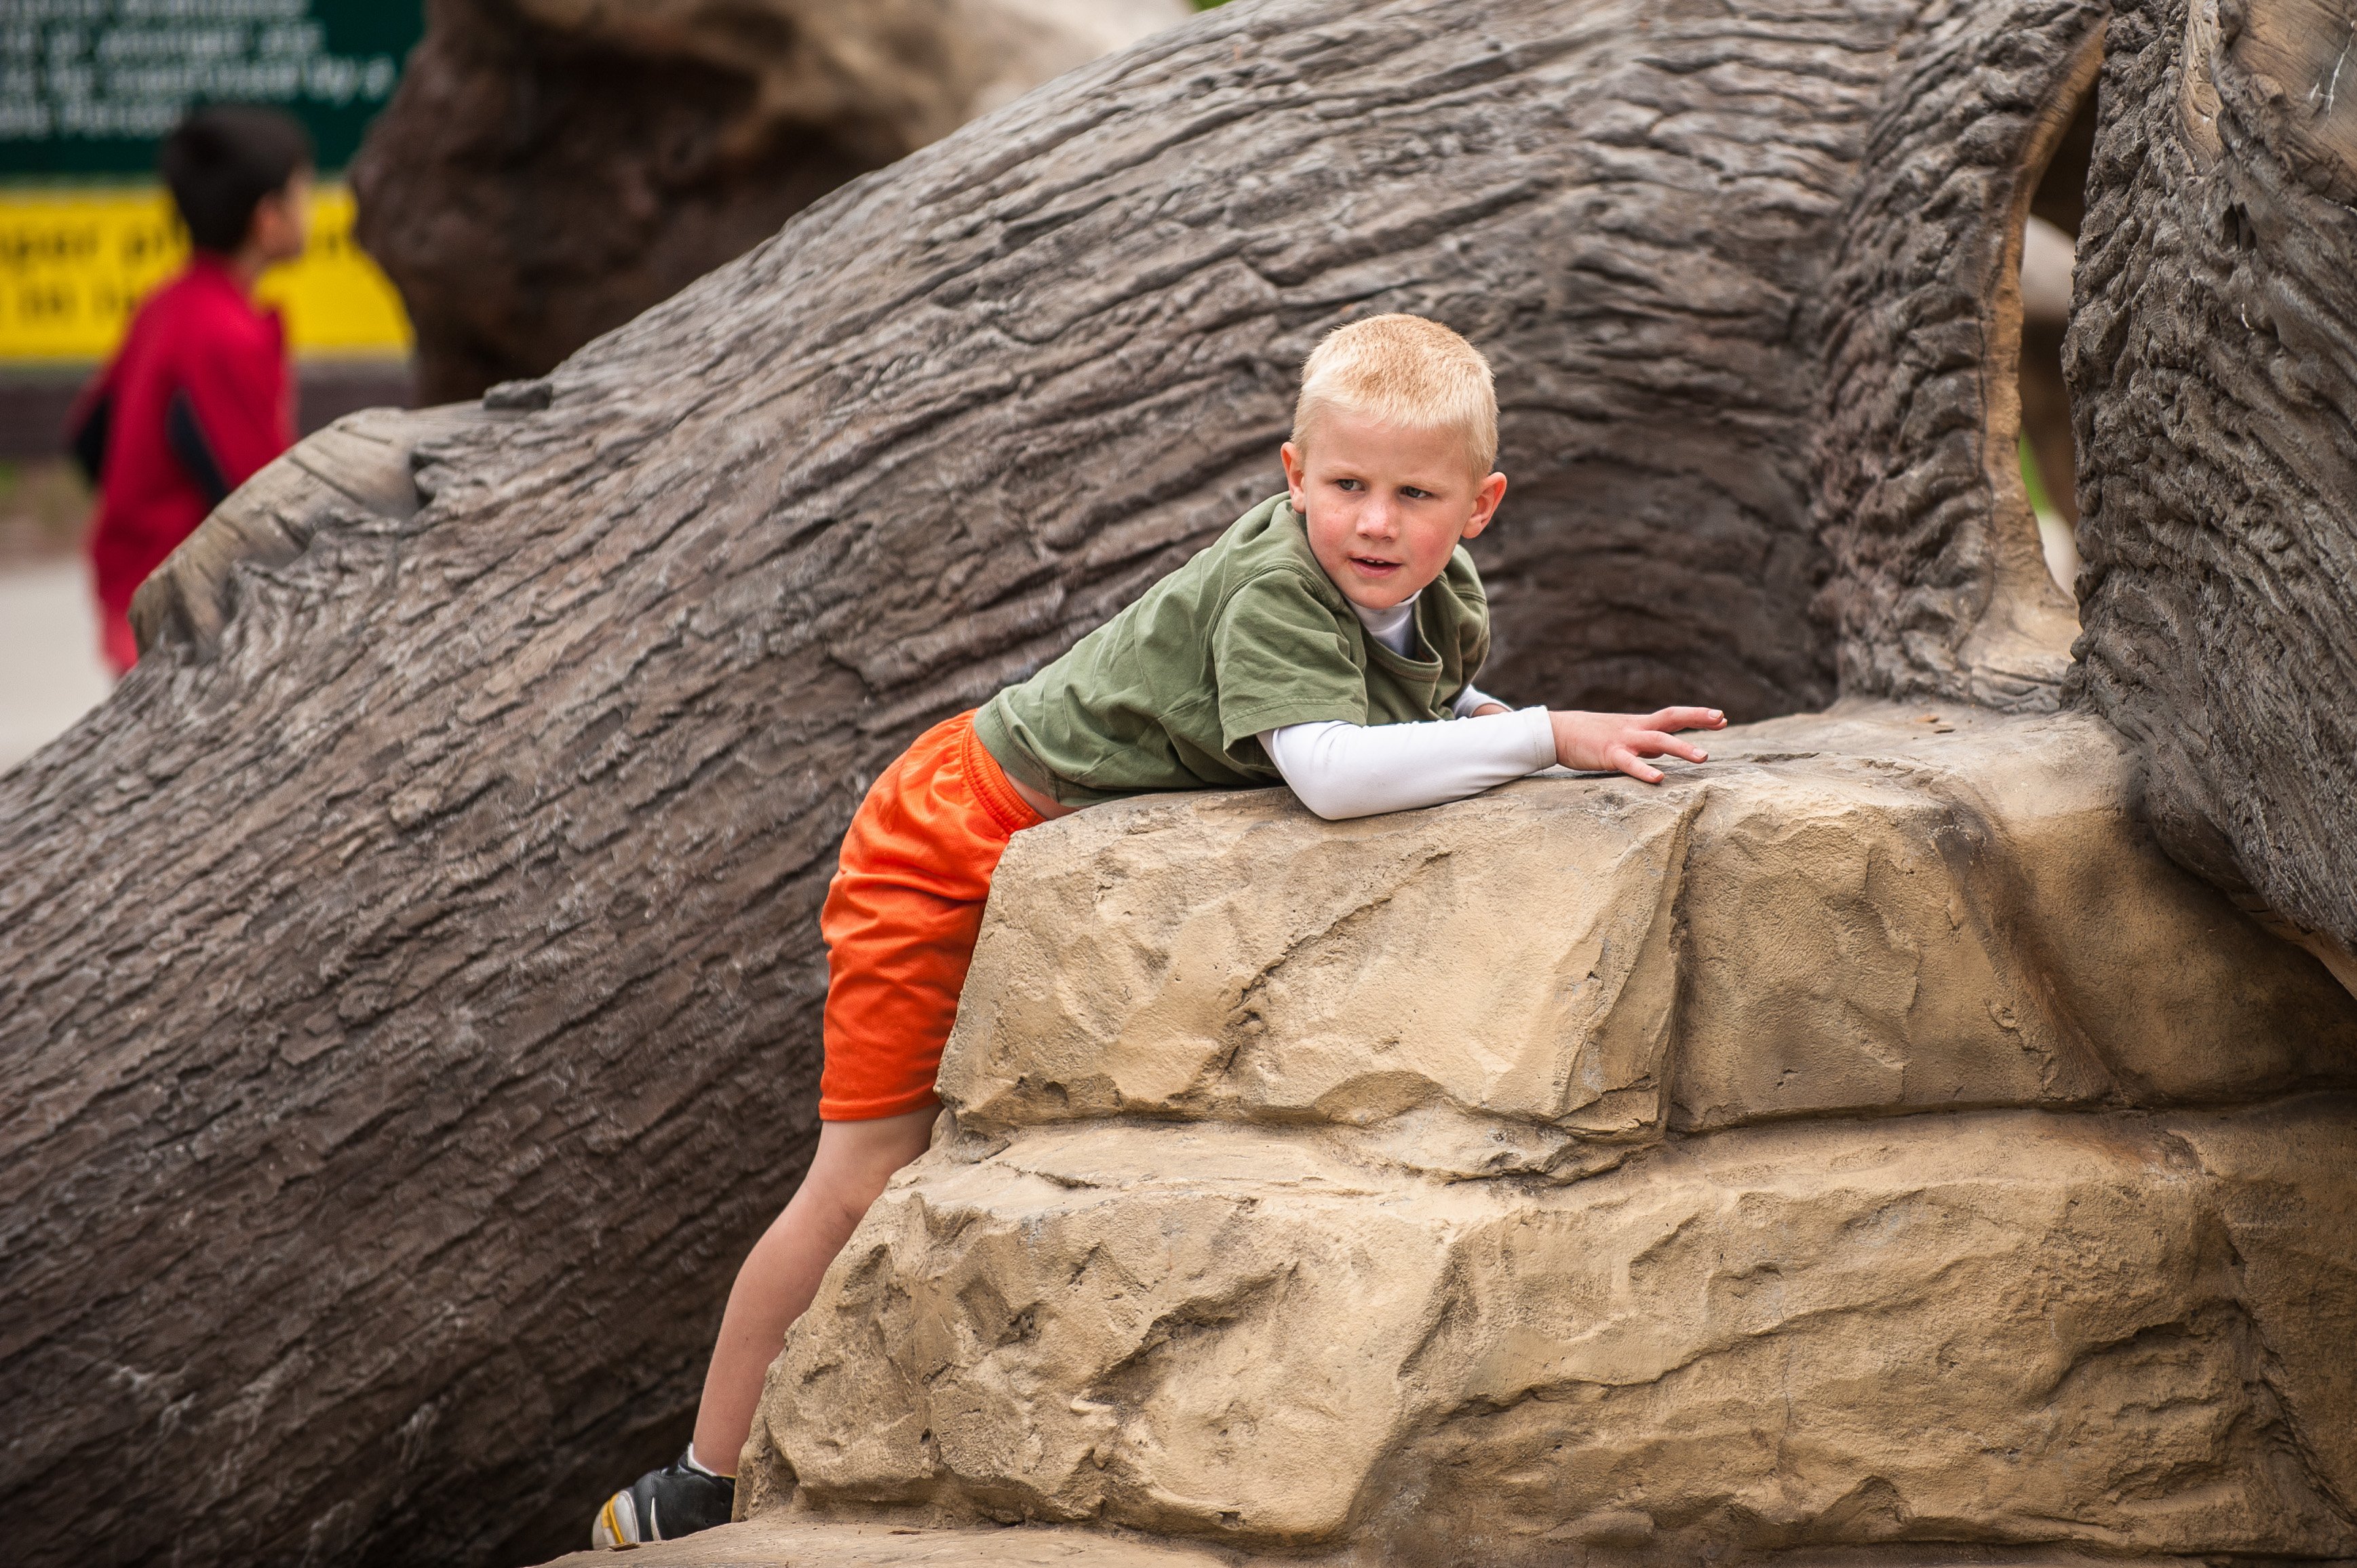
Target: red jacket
point(197, 399)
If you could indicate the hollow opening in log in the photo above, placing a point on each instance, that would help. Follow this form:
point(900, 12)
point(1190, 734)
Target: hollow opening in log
point(2046, 233)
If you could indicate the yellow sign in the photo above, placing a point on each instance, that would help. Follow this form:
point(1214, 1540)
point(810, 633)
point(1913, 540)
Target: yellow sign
point(74, 264)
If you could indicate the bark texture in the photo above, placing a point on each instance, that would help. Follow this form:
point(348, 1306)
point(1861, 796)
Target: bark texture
point(2214, 378)
point(550, 169)
point(1939, 584)
point(409, 980)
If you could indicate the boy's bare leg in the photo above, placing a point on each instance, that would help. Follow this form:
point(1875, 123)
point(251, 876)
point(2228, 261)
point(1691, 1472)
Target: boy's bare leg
point(780, 1275)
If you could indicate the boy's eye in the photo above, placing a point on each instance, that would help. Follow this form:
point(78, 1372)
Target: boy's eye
point(1348, 485)
point(1412, 493)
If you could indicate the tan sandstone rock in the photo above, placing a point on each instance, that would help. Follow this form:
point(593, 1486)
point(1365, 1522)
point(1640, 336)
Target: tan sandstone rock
point(799, 1542)
point(2000, 1326)
point(784, 1539)
point(1866, 911)
point(1866, 1139)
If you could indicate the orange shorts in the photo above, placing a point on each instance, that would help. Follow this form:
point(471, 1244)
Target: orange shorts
point(901, 916)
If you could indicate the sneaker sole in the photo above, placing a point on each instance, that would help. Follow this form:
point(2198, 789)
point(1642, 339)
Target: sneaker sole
point(616, 1526)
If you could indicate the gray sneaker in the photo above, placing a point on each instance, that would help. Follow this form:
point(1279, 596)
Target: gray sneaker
point(663, 1505)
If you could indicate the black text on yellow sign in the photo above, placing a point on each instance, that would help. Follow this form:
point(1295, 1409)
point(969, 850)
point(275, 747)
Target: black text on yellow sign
point(74, 264)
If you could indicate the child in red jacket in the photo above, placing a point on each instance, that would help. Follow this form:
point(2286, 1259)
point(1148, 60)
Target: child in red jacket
point(199, 396)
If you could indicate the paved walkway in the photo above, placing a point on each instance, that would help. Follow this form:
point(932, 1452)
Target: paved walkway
point(49, 670)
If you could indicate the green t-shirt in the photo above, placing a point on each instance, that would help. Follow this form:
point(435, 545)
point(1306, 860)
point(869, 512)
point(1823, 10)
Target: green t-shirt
point(1248, 636)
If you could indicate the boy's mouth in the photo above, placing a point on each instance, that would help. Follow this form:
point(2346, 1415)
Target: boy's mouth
point(1372, 567)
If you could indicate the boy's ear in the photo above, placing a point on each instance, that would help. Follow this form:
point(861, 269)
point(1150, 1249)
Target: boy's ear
point(1485, 504)
point(1294, 475)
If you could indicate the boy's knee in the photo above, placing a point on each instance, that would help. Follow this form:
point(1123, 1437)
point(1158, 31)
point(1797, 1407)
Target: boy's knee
point(855, 1159)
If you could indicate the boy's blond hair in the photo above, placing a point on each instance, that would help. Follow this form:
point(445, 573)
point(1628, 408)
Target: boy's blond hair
point(1402, 370)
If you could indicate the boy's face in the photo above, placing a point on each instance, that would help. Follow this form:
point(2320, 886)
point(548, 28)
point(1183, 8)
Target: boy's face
point(1385, 506)
point(281, 226)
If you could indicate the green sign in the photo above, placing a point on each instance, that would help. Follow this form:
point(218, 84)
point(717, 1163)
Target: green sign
point(88, 87)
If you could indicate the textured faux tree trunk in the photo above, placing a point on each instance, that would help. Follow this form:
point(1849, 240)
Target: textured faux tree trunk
point(1938, 581)
point(549, 169)
point(408, 980)
point(2211, 360)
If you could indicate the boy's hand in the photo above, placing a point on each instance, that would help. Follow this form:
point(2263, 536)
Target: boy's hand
point(1593, 743)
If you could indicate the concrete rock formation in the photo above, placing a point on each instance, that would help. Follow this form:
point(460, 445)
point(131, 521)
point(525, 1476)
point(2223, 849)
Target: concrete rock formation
point(1883, 913)
point(1868, 1138)
point(549, 169)
point(806, 1542)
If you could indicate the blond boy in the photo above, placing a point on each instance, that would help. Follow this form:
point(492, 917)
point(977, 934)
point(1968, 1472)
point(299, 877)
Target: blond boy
point(1328, 641)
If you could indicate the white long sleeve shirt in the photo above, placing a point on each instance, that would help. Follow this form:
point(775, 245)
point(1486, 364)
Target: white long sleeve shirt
point(1340, 769)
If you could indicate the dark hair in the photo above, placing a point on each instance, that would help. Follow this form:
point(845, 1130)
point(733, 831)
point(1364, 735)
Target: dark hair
point(221, 161)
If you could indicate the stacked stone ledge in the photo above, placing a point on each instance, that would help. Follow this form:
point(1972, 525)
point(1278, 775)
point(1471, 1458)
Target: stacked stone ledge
point(1869, 1138)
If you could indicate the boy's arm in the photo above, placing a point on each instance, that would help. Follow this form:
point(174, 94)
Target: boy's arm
point(1472, 703)
point(228, 417)
point(89, 427)
point(1342, 770)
